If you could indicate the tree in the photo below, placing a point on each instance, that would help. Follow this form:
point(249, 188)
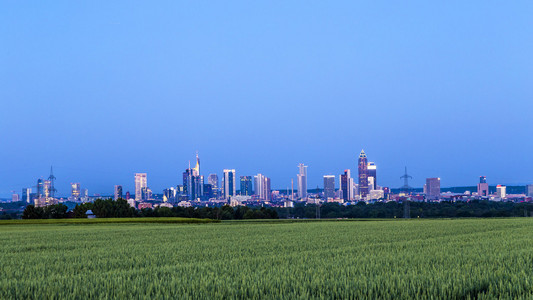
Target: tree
point(81, 209)
point(56, 211)
point(32, 212)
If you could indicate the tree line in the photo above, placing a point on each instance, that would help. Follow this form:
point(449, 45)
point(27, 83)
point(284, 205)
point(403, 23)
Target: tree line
point(445, 209)
point(109, 208)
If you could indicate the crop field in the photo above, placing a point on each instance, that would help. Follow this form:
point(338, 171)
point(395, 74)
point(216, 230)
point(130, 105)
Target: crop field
point(397, 259)
point(107, 221)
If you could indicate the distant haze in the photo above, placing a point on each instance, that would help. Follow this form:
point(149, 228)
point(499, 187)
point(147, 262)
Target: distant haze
point(101, 90)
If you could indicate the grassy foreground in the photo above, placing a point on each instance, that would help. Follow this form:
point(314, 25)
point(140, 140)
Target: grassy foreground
point(106, 221)
point(448, 259)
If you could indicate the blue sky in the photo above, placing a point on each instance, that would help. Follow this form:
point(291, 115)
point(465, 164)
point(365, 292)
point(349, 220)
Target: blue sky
point(104, 89)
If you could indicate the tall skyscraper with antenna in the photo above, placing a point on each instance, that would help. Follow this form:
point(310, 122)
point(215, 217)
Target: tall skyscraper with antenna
point(193, 182)
point(363, 174)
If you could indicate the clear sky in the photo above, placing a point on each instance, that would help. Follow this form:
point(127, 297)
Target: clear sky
point(104, 89)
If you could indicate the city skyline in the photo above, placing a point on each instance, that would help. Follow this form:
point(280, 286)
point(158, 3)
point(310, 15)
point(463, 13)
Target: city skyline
point(140, 182)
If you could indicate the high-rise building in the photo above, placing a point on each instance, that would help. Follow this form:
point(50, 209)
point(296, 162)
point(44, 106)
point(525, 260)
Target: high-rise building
point(51, 186)
point(118, 192)
point(47, 189)
point(501, 191)
point(169, 195)
point(355, 188)
point(246, 186)
point(26, 195)
point(198, 181)
point(40, 188)
point(529, 190)
point(371, 185)
point(196, 170)
point(84, 195)
point(208, 191)
point(433, 188)
point(193, 182)
point(372, 175)
point(302, 181)
point(212, 179)
point(146, 194)
point(483, 187)
point(140, 183)
point(15, 197)
point(363, 174)
point(262, 187)
point(187, 183)
point(75, 190)
point(228, 183)
point(268, 189)
point(347, 186)
point(329, 186)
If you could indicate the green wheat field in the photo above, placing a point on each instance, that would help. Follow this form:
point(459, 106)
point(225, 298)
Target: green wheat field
point(396, 259)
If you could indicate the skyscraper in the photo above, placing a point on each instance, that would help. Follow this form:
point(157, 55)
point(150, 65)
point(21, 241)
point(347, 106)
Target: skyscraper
point(26, 195)
point(302, 181)
point(84, 194)
point(187, 183)
point(329, 186)
point(40, 188)
point(346, 186)
point(146, 194)
point(47, 189)
point(75, 190)
point(246, 186)
point(372, 174)
point(212, 179)
point(262, 187)
point(208, 191)
point(169, 195)
point(363, 174)
point(140, 183)
point(196, 170)
point(15, 197)
point(118, 192)
point(198, 183)
point(433, 188)
point(483, 187)
point(193, 182)
point(229, 183)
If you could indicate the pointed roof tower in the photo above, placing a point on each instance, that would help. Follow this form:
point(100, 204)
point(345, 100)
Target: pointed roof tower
point(197, 167)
